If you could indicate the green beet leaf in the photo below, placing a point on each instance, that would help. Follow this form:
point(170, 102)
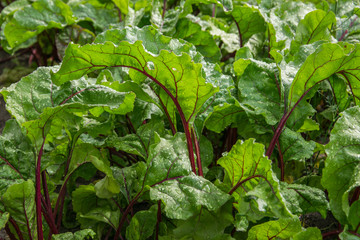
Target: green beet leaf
point(311, 233)
point(205, 224)
point(327, 60)
point(4, 218)
point(142, 224)
point(251, 180)
point(179, 78)
point(167, 159)
point(183, 197)
point(45, 14)
point(130, 179)
point(294, 147)
point(91, 210)
point(15, 148)
point(79, 235)
point(259, 77)
point(354, 215)
point(341, 174)
point(302, 199)
point(192, 32)
point(314, 27)
point(27, 99)
point(19, 201)
point(249, 21)
point(280, 229)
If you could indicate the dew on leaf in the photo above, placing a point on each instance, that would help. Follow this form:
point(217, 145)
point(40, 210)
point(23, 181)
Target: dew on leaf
point(150, 65)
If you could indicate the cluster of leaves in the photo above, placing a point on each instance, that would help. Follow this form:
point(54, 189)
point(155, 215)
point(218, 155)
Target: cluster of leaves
point(191, 119)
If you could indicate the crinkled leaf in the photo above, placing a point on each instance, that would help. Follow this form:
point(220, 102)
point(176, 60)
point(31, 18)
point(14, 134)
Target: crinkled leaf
point(294, 146)
point(311, 233)
point(142, 224)
point(168, 159)
point(249, 21)
point(101, 14)
point(260, 89)
point(302, 199)
point(16, 148)
point(327, 60)
point(183, 197)
point(27, 99)
point(280, 229)
point(165, 23)
point(341, 173)
point(130, 179)
point(179, 78)
point(19, 201)
point(248, 169)
point(354, 214)
point(92, 210)
point(45, 14)
point(203, 40)
point(223, 116)
point(4, 218)
point(139, 142)
point(314, 27)
point(78, 235)
point(205, 224)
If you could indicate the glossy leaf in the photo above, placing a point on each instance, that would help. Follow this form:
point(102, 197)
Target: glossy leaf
point(314, 27)
point(310, 233)
point(92, 210)
point(247, 169)
point(142, 224)
point(249, 21)
point(180, 78)
point(205, 224)
point(4, 218)
point(294, 146)
point(45, 14)
point(19, 201)
point(327, 60)
point(167, 159)
point(27, 105)
point(260, 77)
point(183, 197)
point(79, 235)
point(281, 229)
point(302, 199)
point(340, 174)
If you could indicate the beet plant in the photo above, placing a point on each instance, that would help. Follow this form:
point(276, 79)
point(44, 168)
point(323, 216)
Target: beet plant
point(182, 120)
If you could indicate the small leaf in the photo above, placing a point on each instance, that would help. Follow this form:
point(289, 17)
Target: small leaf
point(4, 218)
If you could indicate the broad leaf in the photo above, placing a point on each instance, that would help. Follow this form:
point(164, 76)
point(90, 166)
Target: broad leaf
point(179, 78)
point(302, 199)
point(142, 224)
point(248, 21)
point(327, 60)
point(183, 197)
point(249, 173)
point(168, 159)
point(314, 27)
point(341, 174)
point(280, 229)
point(45, 14)
point(19, 201)
point(79, 235)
